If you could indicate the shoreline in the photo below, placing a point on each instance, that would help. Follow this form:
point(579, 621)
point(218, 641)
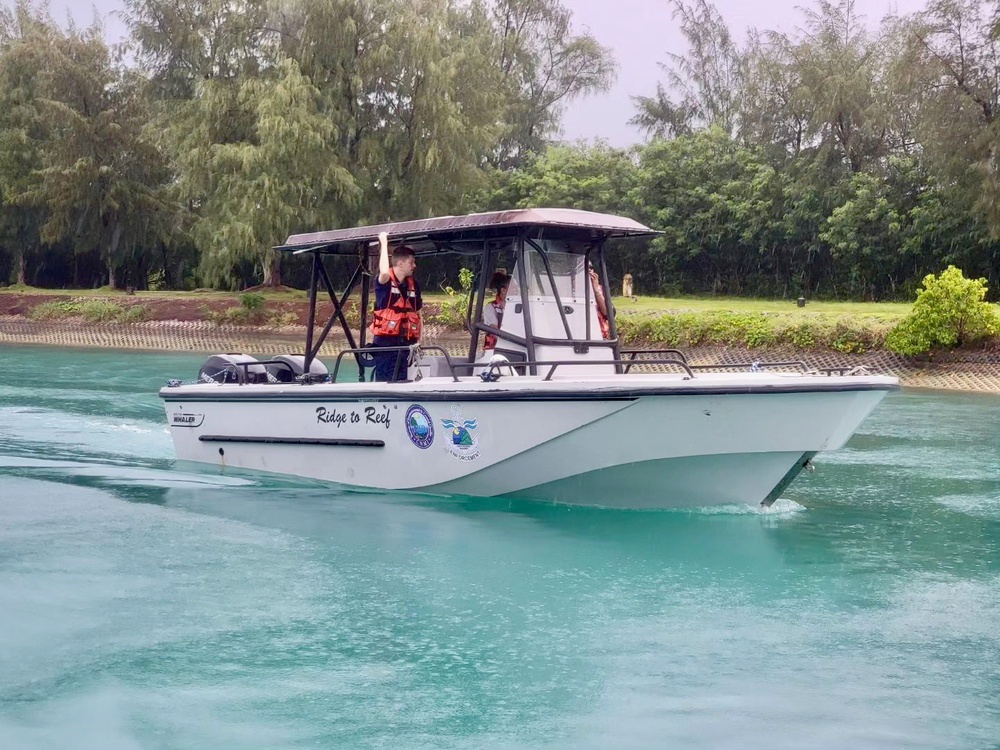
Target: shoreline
point(970, 372)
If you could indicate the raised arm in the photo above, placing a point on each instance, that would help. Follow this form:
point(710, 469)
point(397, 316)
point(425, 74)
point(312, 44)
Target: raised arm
point(383, 258)
point(595, 284)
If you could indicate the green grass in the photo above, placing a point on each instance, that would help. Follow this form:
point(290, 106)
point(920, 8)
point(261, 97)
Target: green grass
point(887, 310)
point(642, 304)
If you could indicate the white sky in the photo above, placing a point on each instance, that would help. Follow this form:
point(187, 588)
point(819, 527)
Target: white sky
point(639, 32)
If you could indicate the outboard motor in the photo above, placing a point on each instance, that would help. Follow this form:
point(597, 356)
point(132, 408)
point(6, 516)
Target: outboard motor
point(293, 367)
point(231, 368)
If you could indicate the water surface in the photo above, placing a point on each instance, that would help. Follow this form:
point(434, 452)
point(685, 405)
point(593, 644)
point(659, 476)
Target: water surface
point(144, 606)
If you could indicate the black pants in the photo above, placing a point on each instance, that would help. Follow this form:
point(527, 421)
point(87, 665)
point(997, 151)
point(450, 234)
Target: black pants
point(385, 362)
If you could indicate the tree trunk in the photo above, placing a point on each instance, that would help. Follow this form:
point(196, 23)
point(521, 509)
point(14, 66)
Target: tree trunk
point(112, 281)
point(22, 269)
point(272, 269)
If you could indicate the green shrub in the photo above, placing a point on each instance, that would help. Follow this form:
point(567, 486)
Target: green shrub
point(804, 335)
point(91, 310)
point(133, 314)
point(283, 319)
point(454, 310)
point(251, 312)
point(252, 301)
point(238, 316)
point(98, 311)
point(950, 312)
point(52, 310)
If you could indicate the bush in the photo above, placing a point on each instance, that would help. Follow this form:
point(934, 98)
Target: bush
point(91, 310)
point(252, 301)
point(99, 311)
point(950, 312)
point(455, 309)
point(52, 310)
point(753, 330)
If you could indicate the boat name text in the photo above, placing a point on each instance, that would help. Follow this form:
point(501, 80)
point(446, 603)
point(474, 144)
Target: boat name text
point(369, 415)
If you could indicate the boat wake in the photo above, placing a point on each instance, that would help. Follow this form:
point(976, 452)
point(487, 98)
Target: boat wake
point(780, 507)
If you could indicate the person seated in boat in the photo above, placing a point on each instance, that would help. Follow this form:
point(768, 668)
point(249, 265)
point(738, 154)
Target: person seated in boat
point(396, 319)
point(602, 303)
point(493, 312)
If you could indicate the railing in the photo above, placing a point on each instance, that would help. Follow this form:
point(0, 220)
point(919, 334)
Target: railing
point(752, 366)
point(371, 351)
point(492, 370)
point(553, 364)
point(756, 366)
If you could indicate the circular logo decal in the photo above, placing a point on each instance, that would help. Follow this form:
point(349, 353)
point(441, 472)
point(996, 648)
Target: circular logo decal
point(419, 426)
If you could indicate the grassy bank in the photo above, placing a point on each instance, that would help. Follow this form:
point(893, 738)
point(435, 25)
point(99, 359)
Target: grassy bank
point(847, 327)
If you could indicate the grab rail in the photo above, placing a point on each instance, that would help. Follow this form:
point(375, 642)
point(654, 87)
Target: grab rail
point(756, 365)
point(371, 350)
point(553, 364)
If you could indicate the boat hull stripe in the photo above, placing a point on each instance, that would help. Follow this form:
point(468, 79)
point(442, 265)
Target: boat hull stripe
point(291, 441)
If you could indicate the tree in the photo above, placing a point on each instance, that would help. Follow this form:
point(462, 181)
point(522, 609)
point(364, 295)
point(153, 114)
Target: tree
point(180, 43)
point(777, 110)
point(26, 35)
point(544, 66)
point(954, 61)
point(592, 177)
point(868, 231)
point(714, 201)
point(257, 161)
point(102, 178)
point(707, 81)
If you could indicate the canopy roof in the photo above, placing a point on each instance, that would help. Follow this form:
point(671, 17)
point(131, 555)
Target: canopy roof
point(430, 233)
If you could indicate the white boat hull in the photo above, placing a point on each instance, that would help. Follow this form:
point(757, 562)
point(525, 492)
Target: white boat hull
point(661, 442)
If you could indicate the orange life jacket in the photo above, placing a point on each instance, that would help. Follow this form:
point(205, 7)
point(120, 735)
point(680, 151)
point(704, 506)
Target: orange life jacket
point(400, 317)
point(605, 324)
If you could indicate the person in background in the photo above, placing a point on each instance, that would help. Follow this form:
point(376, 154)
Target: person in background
point(602, 303)
point(493, 312)
point(396, 320)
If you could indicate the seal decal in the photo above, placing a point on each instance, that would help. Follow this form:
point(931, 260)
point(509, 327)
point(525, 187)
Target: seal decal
point(463, 443)
point(419, 426)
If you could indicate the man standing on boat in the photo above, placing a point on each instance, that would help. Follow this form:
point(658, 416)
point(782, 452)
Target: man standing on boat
point(396, 321)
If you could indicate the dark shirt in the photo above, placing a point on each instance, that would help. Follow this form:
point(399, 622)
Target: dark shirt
point(382, 293)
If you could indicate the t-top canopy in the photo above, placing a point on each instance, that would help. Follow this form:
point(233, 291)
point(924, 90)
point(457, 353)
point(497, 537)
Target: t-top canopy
point(447, 228)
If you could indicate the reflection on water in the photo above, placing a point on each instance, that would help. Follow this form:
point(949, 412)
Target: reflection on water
point(143, 604)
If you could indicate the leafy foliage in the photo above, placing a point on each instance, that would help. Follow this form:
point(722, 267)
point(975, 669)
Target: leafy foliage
point(950, 311)
point(846, 334)
point(92, 311)
point(454, 310)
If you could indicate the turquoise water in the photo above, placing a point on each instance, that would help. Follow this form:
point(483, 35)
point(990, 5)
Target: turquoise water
point(142, 606)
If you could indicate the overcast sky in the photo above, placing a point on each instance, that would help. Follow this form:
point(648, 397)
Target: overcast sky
point(639, 32)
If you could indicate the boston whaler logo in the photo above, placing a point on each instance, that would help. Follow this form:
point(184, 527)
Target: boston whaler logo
point(180, 419)
point(464, 444)
point(419, 426)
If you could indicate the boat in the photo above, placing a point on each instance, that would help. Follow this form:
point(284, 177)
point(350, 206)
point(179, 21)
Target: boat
point(555, 411)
